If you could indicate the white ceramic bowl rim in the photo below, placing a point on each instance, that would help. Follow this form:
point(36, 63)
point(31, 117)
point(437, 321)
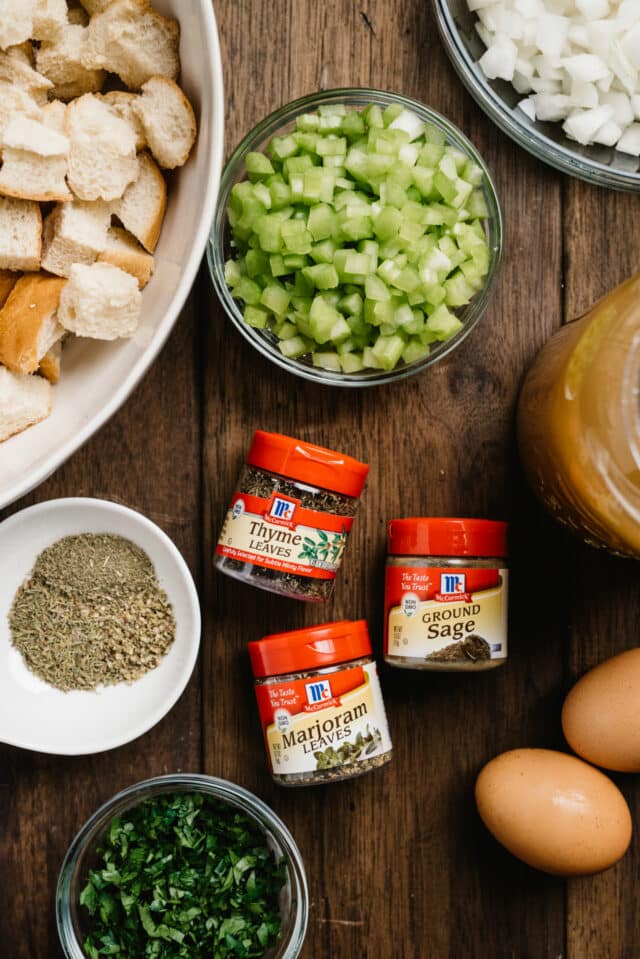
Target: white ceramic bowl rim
point(152, 716)
point(31, 479)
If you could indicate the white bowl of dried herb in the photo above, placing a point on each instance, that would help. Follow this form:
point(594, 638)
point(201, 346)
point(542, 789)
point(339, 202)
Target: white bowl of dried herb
point(99, 626)
point(183, 866)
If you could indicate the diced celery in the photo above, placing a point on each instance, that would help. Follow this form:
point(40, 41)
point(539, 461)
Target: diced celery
point(351, 363)
point(477, 205)
point(392, 111)
point(276, 265)
point(327, 361)
point(296, 237)
point(372, 116)
point(259, 165)
point(275, 298)
point(318, 184)
point(323, 317)
point(387, 223)
point(407, 279)
point(415, 351)
point(387, 350)
point(283, 147)
point(458, 291)
point(324, 251)
point(352, 125)
point(232, 273)
point(293, 348)
point(256, 317)
point(324, 276)
point(286, 331)
point(352, 228)
point(351, 304)
point(443, 323)
point(256, 262)
point(376, 289)
point(307, 122)
point(294, 261)
point(331, 146)
point(247, 290)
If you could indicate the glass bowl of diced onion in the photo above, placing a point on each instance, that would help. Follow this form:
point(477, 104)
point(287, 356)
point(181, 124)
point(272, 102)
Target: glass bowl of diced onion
point(546, 139)
point(333, 252)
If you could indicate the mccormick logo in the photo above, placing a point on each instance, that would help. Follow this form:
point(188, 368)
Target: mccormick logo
point(281, 510)
point(453, 589)
point(318, 692)
point(452, 583)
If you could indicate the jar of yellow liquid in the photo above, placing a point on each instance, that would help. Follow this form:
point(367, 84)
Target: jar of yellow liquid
point(579, 423)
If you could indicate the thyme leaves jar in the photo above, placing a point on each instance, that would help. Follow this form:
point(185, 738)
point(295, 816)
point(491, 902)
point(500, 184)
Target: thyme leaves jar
point(446, 594)
point(320, 703)
point(287, 525)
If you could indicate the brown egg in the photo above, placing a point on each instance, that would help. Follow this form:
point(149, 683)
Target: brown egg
point(601, 714)
point(554, 811)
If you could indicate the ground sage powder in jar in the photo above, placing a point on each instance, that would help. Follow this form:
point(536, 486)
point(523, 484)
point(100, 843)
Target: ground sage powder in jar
point(287, 524)
point(92, 613)
point(446, 594)
point(320, 703)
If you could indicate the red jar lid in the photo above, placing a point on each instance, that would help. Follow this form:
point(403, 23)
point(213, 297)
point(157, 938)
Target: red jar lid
point(302, 649)
point(309, 464)
point(440, 536)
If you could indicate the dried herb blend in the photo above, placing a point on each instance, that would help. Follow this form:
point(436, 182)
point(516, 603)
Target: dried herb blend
point(287, 525)
point(183, 876)
point(320, 703)
point(446, 594)
point(91, 613)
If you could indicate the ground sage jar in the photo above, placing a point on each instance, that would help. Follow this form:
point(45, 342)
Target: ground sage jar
point(320, 703)
point(287, 525)
point(446, 594)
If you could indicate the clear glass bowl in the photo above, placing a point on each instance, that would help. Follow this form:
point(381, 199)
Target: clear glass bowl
point(547, 141)
point(72, 924)
point(219, 248)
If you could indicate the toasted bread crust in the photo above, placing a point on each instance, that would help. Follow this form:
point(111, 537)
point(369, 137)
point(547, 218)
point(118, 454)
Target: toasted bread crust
point(150, 234)
point(33, 300)
point(50, 363)
point(8, 280)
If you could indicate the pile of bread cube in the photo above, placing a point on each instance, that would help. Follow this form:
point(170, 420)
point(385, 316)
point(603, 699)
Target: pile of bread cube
point(90, 117)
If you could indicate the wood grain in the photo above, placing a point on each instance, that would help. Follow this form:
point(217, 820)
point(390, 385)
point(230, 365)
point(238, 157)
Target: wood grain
point(398, 858)
point(399, 865)
point(603, 918)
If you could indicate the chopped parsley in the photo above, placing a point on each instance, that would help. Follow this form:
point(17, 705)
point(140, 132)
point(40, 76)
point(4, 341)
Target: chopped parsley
point(183, 876)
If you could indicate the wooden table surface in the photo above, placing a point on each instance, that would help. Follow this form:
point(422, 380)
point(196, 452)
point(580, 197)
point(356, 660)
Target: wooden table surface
point(399, 865)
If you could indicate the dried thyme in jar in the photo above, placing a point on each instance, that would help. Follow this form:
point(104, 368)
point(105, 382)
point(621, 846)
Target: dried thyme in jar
point(446, 594)
point(92, 613)
point(320, 703)
point(287, 525)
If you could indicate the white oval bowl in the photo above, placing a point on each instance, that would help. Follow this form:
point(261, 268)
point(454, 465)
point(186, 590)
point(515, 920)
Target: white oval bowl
point(37, 716)
point(96, 376)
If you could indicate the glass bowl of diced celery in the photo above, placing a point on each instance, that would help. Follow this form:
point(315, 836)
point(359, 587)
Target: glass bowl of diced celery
point(500, 100)
point(357, 238)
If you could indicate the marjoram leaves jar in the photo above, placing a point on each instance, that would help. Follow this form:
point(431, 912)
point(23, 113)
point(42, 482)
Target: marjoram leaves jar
point(287, 525)
point(320, 703)
point(446, 594)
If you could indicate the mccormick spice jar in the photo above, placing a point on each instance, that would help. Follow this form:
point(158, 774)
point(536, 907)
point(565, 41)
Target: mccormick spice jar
point(446, 594)
point(287, 526)
point(320, 703)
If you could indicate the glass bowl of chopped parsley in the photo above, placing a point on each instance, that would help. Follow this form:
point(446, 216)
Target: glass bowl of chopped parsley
point(181, 867)
point(357, 238)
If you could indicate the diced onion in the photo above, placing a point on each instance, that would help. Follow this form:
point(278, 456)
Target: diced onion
point(573, 61)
